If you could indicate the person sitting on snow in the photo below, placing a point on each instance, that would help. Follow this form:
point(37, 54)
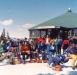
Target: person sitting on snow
point(72, 50)
point(57, 61)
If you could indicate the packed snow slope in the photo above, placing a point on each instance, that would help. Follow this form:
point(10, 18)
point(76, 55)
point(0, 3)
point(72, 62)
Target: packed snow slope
point(35, 69)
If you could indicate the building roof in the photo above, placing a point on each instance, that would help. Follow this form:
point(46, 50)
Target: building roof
point(67, 20)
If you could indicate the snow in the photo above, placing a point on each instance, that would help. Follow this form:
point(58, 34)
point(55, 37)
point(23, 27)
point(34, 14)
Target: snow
point(35, 69)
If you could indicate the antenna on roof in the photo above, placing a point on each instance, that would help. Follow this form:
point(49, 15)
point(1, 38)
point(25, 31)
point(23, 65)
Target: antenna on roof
point(69, 10)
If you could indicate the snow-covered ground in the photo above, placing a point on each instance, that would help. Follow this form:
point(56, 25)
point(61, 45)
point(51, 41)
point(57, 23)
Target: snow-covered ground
point(34, 69)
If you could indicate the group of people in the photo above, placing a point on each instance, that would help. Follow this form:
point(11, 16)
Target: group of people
point(39, 50)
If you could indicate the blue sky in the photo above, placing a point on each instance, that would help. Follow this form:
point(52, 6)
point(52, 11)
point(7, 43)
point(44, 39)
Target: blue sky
point(16, 16)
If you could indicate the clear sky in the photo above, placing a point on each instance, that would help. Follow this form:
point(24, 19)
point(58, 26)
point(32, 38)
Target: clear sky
point(16, 16)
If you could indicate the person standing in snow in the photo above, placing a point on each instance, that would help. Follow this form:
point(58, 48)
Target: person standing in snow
point(51, 50)
point(65, 44)
point(25, 51)
point(58, 45)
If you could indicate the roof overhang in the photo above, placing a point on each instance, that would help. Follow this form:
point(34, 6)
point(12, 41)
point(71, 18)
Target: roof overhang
point(45, 27)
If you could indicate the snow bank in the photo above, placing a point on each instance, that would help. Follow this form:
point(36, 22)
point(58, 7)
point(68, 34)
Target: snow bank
point(33, 69)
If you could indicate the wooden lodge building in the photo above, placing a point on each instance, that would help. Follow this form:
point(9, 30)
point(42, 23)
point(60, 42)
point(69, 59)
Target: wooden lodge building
point(64, 25)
